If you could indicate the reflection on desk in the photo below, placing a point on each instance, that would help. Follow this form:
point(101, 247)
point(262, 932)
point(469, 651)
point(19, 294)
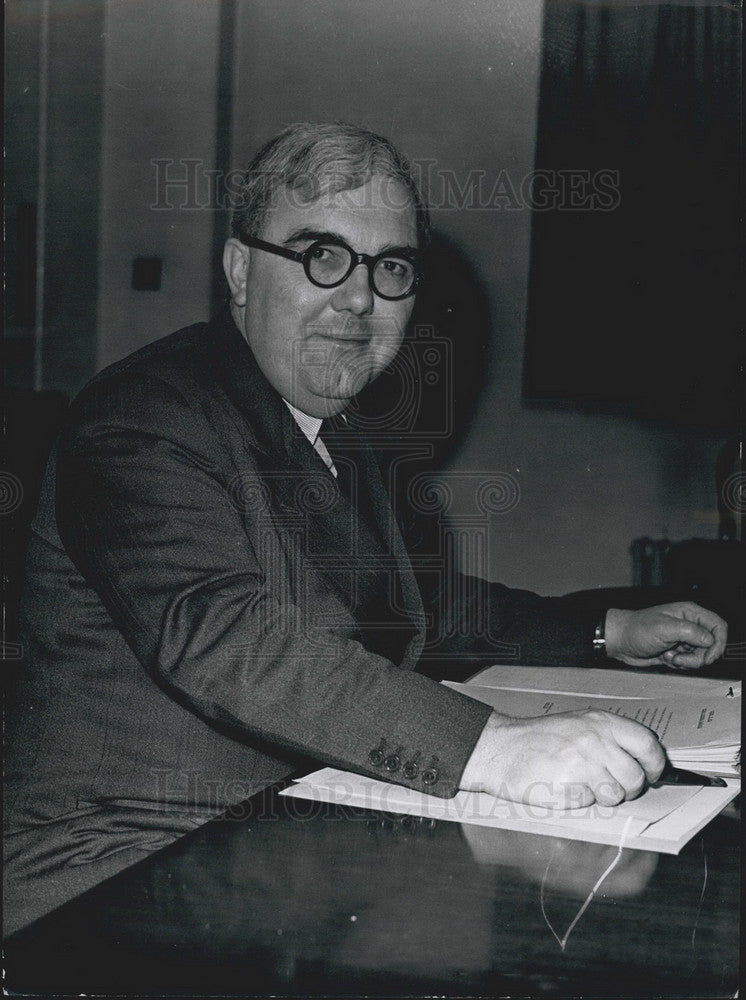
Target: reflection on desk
point(289, 897)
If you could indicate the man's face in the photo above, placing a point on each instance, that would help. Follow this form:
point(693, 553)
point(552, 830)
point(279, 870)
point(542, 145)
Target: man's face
point(319, 347)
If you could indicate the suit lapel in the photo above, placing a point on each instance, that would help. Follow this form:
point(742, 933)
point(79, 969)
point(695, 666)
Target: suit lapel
point(343, 535)
point(376, 532)
point(265, 418)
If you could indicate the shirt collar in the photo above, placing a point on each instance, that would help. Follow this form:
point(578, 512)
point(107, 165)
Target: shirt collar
point(309, 425)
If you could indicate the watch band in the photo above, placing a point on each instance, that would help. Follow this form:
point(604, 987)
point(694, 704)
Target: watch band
point(599, 639)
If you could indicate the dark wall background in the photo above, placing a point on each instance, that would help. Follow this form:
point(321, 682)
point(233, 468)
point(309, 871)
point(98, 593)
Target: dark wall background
point(635, 300)
point(151, 99)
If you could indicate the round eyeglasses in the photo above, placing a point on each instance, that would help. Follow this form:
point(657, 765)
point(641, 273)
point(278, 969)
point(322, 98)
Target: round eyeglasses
point(329, 263)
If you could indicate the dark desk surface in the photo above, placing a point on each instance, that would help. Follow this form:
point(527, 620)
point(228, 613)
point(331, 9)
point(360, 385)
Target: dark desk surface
point(293, 898)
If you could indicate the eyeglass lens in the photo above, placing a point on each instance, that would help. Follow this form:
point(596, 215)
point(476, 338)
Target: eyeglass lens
point(328, 264)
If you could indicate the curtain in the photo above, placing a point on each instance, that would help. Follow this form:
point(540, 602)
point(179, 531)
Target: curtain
point(634, 290)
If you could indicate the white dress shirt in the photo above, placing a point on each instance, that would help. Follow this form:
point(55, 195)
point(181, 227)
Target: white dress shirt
point(310, 427)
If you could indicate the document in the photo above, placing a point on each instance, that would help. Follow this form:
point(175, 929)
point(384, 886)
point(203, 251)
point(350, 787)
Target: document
point(596, 680)
point(663, 819)
point(698, 720)
point(699, 724)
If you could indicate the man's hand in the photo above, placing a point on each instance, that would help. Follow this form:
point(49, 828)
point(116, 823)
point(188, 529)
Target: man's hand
point(681, 635)
point(566, 760)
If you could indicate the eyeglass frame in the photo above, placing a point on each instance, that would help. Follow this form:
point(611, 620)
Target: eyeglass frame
point(356, 259)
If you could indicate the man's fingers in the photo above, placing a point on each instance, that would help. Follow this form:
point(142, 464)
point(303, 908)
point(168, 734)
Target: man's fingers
point(626, 772)
point(684, 660)
point(682, 630)
point(595, 785)
point(706, 617)
point(692, 625)
point(697, 645)
point(641, 744)
point(686, 656)
point(607, 790)
point(720, 631)
point(614, 781)
point(621, 758)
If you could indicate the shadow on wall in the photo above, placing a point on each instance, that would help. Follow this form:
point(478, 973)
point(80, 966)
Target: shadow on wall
point(431, 391)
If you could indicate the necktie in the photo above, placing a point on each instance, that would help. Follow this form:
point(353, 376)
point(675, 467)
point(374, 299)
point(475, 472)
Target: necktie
point(339, 441)
point(377, 586)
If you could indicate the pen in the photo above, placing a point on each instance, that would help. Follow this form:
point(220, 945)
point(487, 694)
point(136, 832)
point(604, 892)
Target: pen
point(679, 776)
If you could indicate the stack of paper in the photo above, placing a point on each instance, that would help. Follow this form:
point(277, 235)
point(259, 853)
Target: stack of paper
point(663, 819)
point(697, 720)
point(699, 724)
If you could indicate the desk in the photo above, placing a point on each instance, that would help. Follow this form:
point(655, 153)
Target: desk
point(289, 898)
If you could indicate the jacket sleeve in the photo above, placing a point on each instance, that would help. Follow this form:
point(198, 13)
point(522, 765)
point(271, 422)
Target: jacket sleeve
point(476, 623)
point(144, 511)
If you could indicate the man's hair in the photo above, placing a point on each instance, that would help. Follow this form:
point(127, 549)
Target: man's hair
point(309, 160)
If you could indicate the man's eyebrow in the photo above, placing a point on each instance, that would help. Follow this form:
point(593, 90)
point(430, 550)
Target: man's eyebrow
point(312, 235)
point(329, 236)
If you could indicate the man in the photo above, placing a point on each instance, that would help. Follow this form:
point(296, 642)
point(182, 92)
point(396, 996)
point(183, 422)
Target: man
point(218, 587)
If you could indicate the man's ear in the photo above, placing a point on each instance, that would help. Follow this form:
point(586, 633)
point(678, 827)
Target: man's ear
point(236, 266)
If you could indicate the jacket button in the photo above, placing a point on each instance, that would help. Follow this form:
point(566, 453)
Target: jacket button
point(410, 770)
point(430, 776)
point(376, 757)
point(392, 763)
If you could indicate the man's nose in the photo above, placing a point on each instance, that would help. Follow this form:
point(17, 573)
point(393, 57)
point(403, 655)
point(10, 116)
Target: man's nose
point(355, 294)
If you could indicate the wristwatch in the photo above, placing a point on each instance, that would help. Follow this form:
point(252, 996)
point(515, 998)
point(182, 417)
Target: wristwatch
point(599, 639)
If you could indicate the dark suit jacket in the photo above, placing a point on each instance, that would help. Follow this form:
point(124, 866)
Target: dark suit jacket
point(204, 609)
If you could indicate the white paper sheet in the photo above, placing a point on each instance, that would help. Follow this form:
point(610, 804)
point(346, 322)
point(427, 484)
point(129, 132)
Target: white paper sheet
point(698, 720)
point(662, 819)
